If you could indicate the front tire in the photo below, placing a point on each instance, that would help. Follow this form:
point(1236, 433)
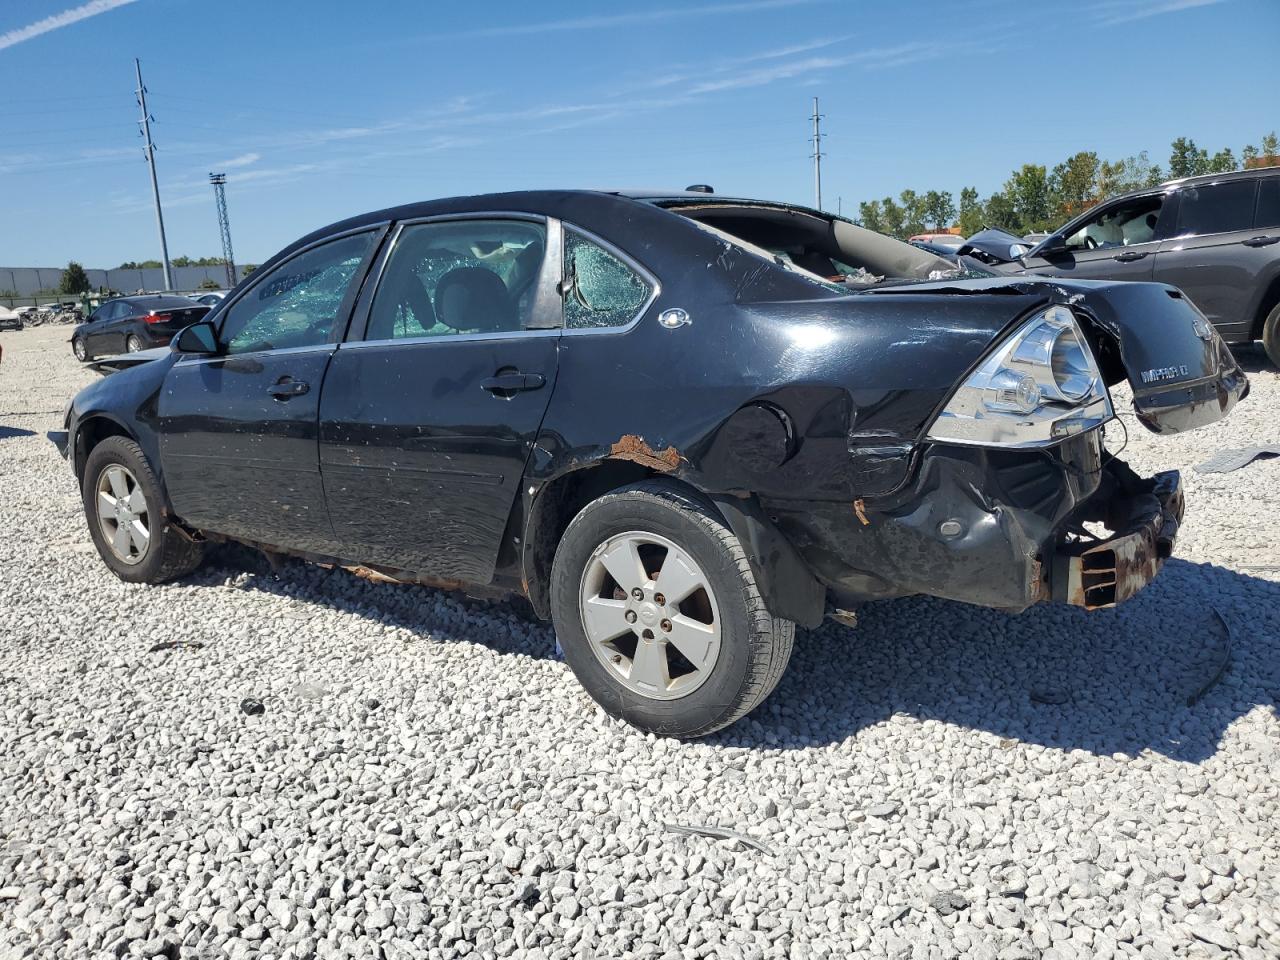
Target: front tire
point(1271, 335)
point(124, 506)
point(79, 349)
point(659, 614)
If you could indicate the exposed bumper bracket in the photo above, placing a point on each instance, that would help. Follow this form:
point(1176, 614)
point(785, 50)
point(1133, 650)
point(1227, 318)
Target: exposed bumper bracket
point(1095, 575)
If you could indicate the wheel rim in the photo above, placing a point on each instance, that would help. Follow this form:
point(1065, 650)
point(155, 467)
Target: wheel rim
point(133, 344)
point(650, 615)
point(78, 349)
point(123, 515)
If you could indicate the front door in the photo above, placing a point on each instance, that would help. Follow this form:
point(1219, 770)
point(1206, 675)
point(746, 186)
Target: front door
point(238, 431)
point(1119, 242)
point(1209, 256)
point(429, 413)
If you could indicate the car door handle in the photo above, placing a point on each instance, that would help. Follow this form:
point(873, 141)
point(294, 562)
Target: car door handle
point(1129, 257)
point(1260, 241)
point(288, 388)
point(509, 383)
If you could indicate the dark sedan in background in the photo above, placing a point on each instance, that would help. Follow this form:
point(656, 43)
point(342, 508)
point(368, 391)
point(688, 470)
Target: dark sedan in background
point(130, 324)
point(1215, 237)
point(680, 424)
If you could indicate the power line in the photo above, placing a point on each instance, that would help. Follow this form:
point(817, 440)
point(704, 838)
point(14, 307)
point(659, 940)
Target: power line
point(151, 162)
point(817, 156)
point(219, 181)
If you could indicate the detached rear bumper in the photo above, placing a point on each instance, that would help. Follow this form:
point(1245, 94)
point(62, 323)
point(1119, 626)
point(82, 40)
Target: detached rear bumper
point(1102, 574)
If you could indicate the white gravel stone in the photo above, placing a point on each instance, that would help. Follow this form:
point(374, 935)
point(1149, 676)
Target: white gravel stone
point(426, 779)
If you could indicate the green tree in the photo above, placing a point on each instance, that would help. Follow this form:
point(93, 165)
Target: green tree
point(1249, 157)
point(1131, 173)
point(913, 213)
point(1186, 159)
point(1028, 188)
point(870, 216)
point(209, 283)
point(939, 209)
point(970, 211)
point(247, 269)
point(74, 279)
point(894, 218)
point(1001, 212)
point(1270, 156)
point(1073, 185)
point(1224, 161)
point(182, 262)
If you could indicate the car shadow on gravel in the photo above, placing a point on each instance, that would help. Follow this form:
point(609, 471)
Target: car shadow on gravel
point(1113, 681)
point(1252, 357)
point(1144, 675)
point(8, 432)
point(444, 615)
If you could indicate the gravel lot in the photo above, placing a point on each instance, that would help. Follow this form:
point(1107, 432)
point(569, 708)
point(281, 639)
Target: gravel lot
point(426, 779)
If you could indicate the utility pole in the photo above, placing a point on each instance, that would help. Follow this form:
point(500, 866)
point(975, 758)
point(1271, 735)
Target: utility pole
point(151, 161)
point(817, 156)
point(219, 181)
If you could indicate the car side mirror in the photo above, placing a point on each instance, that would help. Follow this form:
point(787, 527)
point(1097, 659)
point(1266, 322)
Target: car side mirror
point(1052, 245)
point(200, 338)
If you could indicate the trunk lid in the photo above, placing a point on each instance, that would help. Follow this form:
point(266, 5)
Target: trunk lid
point(1182, 373)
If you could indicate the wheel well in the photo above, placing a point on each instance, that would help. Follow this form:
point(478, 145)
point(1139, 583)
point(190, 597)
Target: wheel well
point(92, 432)
point(558, 503)
point(1267, 304)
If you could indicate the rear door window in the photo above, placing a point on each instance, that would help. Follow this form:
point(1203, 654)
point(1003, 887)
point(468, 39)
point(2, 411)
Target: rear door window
point(600, 290)
point(1268, 214)
point(1216, 208)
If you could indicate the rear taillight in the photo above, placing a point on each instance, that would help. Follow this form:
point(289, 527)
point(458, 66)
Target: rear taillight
point(154, 317)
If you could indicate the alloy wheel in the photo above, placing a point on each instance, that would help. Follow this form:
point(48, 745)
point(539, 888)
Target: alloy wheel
point(78, 349)
point(650, 615)
point(133, 344)
point(123, 515)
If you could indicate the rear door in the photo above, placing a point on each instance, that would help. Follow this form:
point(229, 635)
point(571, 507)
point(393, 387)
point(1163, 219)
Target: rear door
point(238, 431)
point(1211, 256)
point(431, 408)
point(1118, 242)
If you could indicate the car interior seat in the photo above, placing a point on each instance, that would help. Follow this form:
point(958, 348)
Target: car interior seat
point(474, 299)
point(404, 311)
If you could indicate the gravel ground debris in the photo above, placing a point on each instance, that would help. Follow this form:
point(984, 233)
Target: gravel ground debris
point(425, 779)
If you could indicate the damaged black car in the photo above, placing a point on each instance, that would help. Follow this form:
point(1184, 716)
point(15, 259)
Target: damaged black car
point(679, 424)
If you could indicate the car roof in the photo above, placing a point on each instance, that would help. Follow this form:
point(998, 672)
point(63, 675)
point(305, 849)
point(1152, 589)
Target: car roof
point(1197, 180)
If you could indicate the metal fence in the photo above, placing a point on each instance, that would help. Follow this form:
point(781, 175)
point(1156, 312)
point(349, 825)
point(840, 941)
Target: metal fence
point(29, 284)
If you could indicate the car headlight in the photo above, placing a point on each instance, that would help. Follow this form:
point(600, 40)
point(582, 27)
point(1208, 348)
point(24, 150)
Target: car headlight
point(1040, 386)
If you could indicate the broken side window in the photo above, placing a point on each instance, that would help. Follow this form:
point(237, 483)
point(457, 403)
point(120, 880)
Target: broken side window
point(599, 289)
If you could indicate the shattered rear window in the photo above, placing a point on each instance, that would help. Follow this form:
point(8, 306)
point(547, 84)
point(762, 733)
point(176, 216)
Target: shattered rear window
point(601, 290)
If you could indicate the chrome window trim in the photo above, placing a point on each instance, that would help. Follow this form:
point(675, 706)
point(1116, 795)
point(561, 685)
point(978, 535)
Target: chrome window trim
point(193, 359)
point(554, 238)
point(451, 338)
point(655, 287)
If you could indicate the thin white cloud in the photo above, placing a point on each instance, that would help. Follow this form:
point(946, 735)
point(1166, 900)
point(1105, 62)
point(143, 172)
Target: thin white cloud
point(58, 20)
point(631, 19)
point(1127, 11)
point(244, 160)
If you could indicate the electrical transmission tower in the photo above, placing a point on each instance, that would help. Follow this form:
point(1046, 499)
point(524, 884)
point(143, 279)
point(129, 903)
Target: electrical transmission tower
point(145, 122)
point(817, 156)
point(219, 181)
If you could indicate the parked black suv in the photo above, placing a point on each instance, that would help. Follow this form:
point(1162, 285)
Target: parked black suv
point(1217, 237)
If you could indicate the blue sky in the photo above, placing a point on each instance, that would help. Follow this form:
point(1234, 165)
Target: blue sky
point(318, 110)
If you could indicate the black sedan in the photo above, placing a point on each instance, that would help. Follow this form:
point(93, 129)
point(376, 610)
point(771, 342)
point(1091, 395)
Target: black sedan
point(679, 424)
point(130, 324)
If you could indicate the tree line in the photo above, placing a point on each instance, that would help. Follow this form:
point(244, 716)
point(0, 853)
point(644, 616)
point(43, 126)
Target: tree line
point(1037, 198)
point(175, 262)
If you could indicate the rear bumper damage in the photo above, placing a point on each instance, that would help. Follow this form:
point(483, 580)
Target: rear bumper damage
point(1103, 573)
point(1002, 529)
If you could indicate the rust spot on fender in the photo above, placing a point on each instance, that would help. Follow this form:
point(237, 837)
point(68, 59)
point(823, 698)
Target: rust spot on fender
point(860, 509)
point(633, 448)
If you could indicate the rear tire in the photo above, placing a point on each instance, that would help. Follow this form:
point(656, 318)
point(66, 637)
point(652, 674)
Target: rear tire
point(1271, 335)
point(124, 506)
point(654, 527)
point(133, 344)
